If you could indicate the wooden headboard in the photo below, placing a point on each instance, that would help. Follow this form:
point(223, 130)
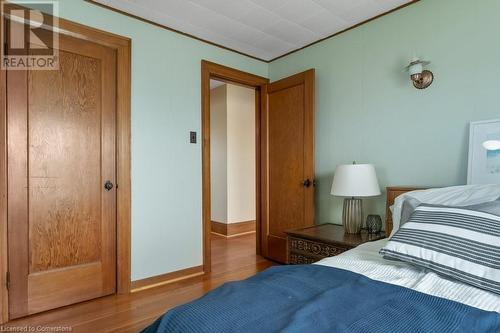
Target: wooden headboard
point(392, 193)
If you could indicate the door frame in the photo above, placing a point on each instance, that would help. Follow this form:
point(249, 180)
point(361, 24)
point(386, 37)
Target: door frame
point(122, 46)
point(210, 70)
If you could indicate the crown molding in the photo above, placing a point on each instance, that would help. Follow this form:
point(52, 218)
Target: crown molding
point(242, 53)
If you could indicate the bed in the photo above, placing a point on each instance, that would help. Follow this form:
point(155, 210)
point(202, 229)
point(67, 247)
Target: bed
point(357, 291)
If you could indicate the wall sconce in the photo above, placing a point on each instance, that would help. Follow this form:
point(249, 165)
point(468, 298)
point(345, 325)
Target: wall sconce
point(491, 145)
point(420, 77)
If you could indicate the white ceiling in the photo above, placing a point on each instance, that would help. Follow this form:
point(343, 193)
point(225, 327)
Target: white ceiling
point(265, 29)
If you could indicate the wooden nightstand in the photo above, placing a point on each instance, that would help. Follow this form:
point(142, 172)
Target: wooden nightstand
point(308, 245)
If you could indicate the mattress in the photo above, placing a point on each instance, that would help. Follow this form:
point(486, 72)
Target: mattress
point(366, 260)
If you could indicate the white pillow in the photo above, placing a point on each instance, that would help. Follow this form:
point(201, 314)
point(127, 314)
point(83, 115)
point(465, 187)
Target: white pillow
point(449, 196)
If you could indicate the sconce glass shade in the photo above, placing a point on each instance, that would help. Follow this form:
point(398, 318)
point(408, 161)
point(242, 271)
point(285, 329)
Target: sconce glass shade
point(492, 145)
point(421, 78)
point(416, 68)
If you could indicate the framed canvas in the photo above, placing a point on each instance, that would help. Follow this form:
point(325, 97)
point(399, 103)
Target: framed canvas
point(484, 152)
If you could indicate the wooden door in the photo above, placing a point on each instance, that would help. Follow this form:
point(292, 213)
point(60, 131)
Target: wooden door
point(61, 151)
point(288, 161)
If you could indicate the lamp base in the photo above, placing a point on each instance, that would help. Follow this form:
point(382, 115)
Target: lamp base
point(352, 215)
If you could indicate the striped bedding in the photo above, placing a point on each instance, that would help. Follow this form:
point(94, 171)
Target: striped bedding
point(460, 243)
point(366, 260)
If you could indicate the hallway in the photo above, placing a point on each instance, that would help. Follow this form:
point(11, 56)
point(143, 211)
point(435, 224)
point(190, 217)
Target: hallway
point(233, 253)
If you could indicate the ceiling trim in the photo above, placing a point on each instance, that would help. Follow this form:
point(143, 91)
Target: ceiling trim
point(242, 53)
point(119, 11)
point(345, 30)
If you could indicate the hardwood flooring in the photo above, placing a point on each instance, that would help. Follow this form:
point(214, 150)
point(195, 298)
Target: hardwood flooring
point(232, 259)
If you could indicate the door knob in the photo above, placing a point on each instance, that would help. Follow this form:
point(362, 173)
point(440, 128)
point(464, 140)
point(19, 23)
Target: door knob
point(307, 183)
point(108, 185)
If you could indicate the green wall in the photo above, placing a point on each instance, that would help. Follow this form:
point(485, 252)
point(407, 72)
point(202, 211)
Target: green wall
point(166, 104)
point(368, 111)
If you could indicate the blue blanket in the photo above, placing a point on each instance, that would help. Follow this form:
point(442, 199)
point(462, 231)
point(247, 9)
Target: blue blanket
point(313, 298)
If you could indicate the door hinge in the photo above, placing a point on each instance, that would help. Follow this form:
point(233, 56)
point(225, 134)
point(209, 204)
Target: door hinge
point(7, 280)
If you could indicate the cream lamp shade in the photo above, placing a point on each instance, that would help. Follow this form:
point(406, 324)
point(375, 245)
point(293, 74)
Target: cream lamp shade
point(355, 180)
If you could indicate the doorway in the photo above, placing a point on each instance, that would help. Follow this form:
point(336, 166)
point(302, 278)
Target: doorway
point(217, 81)
point(284, 156)
point(233, 169)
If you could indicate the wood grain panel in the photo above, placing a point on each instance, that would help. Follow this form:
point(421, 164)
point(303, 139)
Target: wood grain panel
point(82, 286)
point(122, 48)
point(123, 167)
point(64, 169)
point(108, 170)
point(68, 151)
point(4, 298)
point(263, 174)
point(286, 150)
point(289, 159)
point(309, 144)
point(17, 143)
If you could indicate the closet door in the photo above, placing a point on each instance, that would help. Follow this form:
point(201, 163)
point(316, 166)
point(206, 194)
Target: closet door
point(61, 153)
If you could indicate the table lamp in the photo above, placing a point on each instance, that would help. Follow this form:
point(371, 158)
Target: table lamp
point(354, 181)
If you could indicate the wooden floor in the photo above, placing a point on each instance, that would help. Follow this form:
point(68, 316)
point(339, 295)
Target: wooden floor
point(232, 259)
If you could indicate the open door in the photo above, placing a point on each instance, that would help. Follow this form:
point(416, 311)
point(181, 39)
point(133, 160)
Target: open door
point(287, 161)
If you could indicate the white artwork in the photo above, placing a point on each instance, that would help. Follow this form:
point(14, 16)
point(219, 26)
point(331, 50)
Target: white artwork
point(484, 152)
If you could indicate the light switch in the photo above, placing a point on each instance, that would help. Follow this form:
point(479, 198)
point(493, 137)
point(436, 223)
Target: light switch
point(192, 137)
